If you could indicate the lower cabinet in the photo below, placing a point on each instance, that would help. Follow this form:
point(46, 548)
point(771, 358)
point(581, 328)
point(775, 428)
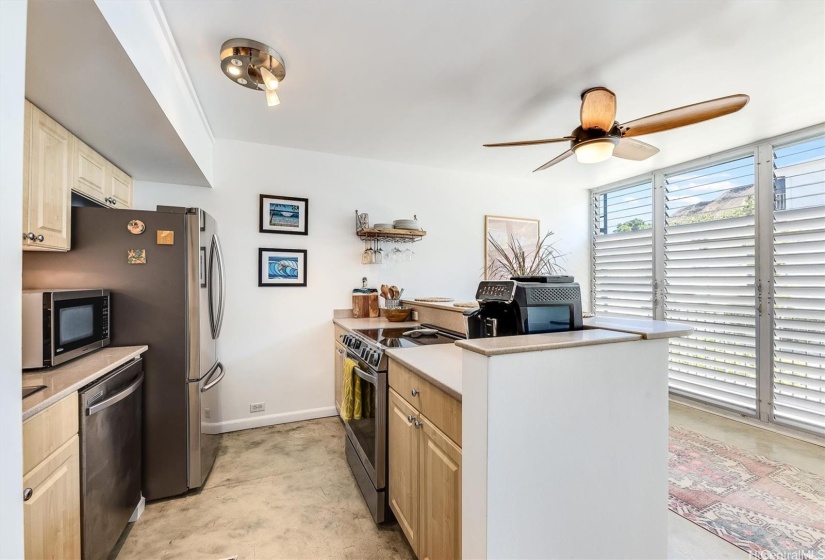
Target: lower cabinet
point(340, 356)
point(51, 482)
point(424, 479)
point(51, 514)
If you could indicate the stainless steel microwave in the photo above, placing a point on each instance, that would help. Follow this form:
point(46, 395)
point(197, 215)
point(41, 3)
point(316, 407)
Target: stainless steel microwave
point(59, 325)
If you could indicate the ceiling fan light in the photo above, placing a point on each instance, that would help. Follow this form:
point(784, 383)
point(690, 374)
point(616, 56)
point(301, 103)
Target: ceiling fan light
point(272, 98)
point(234, 70)
point(270, 81)
point(595, 151)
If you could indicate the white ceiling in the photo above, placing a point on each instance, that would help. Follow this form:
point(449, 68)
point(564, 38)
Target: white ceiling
point(427, 82)
point(77, 72)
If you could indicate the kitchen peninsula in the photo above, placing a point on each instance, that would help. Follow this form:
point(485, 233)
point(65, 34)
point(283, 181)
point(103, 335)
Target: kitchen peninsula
point(546, 435)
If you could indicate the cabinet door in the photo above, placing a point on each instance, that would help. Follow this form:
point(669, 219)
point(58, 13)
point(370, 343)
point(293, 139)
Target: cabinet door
point(47, 194)
point(340, 356)
point(119, 188)
point(403, 465)
point(440, 520)
point(89, 172)
point(51, 515)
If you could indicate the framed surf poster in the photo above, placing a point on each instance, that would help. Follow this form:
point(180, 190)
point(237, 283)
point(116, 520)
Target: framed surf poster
point(284, 214)
point(282, 267)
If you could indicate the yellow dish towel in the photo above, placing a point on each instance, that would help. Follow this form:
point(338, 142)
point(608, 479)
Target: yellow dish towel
point(348, 390)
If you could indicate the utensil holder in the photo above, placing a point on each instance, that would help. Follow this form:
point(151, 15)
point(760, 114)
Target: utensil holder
point(392, 303)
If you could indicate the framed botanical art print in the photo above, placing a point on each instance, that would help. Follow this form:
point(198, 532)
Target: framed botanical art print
point(504, 231)
point(284, 214)
point(282, 267)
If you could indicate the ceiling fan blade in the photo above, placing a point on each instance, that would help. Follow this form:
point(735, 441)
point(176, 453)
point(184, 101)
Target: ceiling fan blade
point(683, 116)
point(598, 109)
point(555, 160)
point(628, 148)
point(530, 142)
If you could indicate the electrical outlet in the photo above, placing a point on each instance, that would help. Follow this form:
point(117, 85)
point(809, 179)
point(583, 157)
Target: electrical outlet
point(207, 413)
point(257, 407)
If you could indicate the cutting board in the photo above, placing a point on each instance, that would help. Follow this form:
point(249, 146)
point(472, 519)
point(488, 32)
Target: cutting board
point(364, 305)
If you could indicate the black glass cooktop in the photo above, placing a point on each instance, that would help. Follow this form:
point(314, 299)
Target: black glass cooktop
point(394, 338)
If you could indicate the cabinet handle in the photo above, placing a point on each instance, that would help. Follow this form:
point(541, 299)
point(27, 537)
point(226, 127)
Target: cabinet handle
point(29, 236)
point(417, 423)
point(114, 202)
point(414, 392)
point(40, 238)
point(27, 494)
point(410, 418)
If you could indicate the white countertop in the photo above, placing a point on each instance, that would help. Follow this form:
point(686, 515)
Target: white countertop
point(539, 342)
point(649, 329)
point(440, 364)
point(351, 323)
point(63, 380)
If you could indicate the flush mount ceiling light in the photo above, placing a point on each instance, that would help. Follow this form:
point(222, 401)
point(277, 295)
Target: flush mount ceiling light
point(254, 66)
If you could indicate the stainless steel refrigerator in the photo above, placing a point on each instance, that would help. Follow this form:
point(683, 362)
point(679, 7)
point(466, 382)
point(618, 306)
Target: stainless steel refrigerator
point(174, 302)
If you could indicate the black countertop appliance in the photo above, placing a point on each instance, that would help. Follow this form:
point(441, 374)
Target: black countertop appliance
point(525, 305)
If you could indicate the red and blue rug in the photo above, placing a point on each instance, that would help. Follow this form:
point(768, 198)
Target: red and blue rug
point(767, 508)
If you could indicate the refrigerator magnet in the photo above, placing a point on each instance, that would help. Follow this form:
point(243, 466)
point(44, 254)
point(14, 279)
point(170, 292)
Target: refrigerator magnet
point(136, 227)
point(166, 237)
point(136, 256)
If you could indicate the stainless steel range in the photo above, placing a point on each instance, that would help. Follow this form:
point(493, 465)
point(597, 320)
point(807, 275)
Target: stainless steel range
point(366, 441)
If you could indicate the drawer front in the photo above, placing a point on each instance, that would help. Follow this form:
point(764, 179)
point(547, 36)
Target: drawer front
point(46, 431)
point(339, 333)
point(442, 410)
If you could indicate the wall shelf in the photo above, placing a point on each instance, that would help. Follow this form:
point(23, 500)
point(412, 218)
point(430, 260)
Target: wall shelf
point(391, 235)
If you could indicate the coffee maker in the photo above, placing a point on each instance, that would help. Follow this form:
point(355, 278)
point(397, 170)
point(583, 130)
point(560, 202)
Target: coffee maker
point(525, 305)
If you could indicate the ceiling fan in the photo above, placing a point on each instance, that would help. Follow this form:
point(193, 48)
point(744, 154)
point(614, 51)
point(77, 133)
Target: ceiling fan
point(600, 136)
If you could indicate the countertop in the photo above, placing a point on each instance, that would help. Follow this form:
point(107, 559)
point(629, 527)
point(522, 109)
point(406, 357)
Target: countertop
point(539, 342)
point(63, 380)
point(351, 323)
point(440, 364)
point(647, 328)
point(446, 306)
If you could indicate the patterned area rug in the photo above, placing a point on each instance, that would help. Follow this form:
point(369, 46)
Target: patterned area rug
point(766, 508)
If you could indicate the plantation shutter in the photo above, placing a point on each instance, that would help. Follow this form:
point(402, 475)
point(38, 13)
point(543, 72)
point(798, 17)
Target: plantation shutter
point(622, 252)
point(710, 273)
point(799, 284)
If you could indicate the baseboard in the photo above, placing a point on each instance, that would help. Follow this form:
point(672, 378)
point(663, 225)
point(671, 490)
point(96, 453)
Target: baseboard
point(269, 420)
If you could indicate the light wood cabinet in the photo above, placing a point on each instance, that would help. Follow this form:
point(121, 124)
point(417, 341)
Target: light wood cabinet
point(425, 464)
point(98, 179)
point(47, 167)
point(340, 358)
point(51, 483)
point(404, 466)
point(51, 514)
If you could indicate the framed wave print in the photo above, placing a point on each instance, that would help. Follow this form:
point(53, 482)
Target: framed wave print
point(282, 267)
point(284, 214)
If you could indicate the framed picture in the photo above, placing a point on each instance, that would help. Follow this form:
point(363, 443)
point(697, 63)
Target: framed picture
point(284, 214)
point(503, 229)
point(202, 267)
point(282, 267)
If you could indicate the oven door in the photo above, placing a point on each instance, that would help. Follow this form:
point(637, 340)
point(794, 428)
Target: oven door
point(368, 434)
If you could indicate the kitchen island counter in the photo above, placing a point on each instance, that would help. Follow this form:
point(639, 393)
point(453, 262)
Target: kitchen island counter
point(440, 364)
point(65, 379)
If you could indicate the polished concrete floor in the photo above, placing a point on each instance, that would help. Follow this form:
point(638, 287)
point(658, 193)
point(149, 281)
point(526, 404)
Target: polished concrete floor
point(286, 492)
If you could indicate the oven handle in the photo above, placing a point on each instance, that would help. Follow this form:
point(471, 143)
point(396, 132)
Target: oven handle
point(373, 379)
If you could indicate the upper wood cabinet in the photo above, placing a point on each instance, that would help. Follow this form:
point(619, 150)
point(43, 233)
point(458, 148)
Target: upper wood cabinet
point(47, 168)
point(98, 179)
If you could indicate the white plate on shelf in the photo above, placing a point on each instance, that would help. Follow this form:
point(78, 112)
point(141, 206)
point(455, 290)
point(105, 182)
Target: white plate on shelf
point(406, 224)
point(382, 226)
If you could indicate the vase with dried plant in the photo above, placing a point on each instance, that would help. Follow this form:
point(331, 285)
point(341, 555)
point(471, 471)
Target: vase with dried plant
point(515, 258)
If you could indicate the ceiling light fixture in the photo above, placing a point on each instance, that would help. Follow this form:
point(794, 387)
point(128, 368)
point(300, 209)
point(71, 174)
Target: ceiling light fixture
point(253, 65)
point(594, 151)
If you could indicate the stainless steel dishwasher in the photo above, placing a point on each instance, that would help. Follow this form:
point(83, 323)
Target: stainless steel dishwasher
point(110, 457)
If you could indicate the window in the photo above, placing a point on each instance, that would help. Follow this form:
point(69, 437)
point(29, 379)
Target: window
point(623, 251)
point(799, 284)
point(710, 282)
point(734, 245)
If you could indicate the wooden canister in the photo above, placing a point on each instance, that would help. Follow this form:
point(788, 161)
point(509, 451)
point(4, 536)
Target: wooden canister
point(364, 304)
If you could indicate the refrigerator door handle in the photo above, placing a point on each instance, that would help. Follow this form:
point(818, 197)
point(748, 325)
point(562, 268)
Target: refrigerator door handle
point(214, 382)
point(222, 286)
point(213, 324)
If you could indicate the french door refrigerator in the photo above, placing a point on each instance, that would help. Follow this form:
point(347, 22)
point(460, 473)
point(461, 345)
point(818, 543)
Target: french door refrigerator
point(174, 302)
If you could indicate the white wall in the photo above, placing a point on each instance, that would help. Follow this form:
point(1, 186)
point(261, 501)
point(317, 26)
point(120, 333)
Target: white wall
point(277, 342)
point(12, 67)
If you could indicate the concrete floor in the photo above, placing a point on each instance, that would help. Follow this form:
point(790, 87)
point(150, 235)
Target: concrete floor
point(286, 492)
